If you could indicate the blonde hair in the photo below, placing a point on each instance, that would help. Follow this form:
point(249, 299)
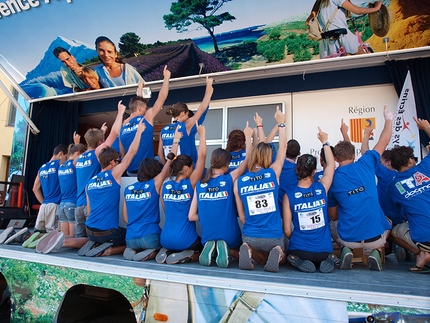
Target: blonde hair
point(261, 156)
point(93, 137)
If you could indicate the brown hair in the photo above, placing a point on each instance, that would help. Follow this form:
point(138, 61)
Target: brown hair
point(107, 155)
point(293, 149)
point(73, 148)
point(344, 150)
point(102, 39)
point(219, 158)
point(236, 141)
point(306, 165)
point(176, 109)
point(137, 101)
point(178, 164)
point(400, 157)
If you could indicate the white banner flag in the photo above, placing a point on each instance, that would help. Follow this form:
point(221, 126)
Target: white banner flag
point(405, 129)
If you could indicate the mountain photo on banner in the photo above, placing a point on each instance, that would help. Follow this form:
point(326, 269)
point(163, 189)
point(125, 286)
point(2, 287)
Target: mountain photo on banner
point(192, 37)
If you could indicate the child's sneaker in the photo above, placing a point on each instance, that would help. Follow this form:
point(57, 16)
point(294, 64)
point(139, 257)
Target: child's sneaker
point(375, 262)
point(45, 241)
point(54, 243)
point(6, 234)
point(222, 254)
point(245, 258)
point(207, 253)
point(32, 238)
point(16, 236)
point(161, 256)
point(346, 258)
point(180, 257)
point(272, 263)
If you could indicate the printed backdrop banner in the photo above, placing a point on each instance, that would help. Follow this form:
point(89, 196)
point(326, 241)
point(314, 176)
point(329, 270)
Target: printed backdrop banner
point(405, 129)
point(49, 47)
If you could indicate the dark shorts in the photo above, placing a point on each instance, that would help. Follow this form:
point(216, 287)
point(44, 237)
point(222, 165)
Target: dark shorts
point(116, 236)
point(196, 246)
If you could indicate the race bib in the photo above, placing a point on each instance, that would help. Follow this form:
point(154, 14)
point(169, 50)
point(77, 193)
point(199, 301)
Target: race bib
point(261, 203)
point(167, 150)
point(311, 220)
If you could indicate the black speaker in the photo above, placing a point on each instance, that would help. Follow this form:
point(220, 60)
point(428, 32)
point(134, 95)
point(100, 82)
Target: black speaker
point(13, 216)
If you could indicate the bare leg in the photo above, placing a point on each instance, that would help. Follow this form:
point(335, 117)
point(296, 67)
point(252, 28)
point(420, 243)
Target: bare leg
point(114, 250)
point(422, 259)
point(234, 253)
point(405, 245)
point(64, 227)
point(283, 255)
point(77, 243)
point(71, 229)
point(260, 257)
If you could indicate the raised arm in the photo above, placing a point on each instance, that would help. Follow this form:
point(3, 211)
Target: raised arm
point(280, 157)
point(119, 169)
point(116, 128)
point(203, 105)
point(272, 134)
point(76, 138)
point(366, 136)
point(248, 149)
point(344, 131)
point(159, 179)
point(327, 178)
point(385, 136)
point(162, 96)
point(423, 124)
point(196, 175)
point(260, 130)
point(360, 10)
point(160, 151)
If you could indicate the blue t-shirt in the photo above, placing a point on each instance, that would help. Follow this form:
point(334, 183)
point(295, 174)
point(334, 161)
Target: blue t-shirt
point(410, 192)
point(187, 144)
point(141, 199)
point(318, 175)
point(104, 195)
point(213, 196)
point(146, 147)
point(385, 176)
point(237, 158)
point(48, 174)
point(258, 192)
point(287, 180)
point(87, 166)
point(67, 180)
point(178, 232)
point(167, 135)
point(310, 218)
point(354, 192)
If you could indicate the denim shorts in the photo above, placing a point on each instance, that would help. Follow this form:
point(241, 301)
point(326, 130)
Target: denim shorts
point(264, 244)
point(66, 212)
point(150, 241)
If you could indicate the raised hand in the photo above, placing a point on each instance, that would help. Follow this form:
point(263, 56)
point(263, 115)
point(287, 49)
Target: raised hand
point(248, 130)
point(166, 72)
point(388, 115)
point(257, 119)
point(322, 136)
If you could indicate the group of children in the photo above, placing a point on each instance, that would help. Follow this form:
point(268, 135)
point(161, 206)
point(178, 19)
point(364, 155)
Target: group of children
point(248, 201)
